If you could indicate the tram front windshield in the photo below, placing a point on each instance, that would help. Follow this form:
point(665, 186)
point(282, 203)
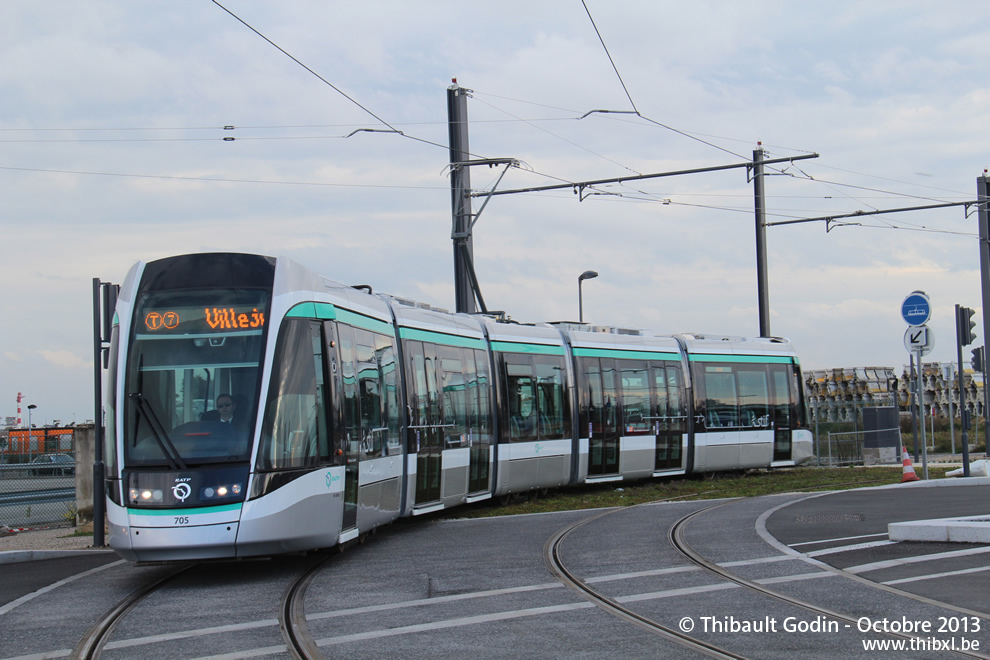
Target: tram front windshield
point(194, 358)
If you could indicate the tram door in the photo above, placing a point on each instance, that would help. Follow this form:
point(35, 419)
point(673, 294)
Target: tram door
point(426, 422)
point(349, 441)
point(670, 418)
point(780, 375)
point(603, 445)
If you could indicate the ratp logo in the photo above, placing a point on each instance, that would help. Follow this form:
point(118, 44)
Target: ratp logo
point(538, 448)
point(181, 491)
point(331, 478)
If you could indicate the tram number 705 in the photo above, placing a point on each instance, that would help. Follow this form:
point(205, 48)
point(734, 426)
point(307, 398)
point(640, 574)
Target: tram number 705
point(181, 520)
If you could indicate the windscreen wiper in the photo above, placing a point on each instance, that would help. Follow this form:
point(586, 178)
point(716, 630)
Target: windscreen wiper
point(158, 431)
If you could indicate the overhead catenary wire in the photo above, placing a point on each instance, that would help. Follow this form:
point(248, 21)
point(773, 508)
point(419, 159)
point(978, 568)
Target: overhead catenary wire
point(392, 128)
point(221, 180)
point(629, 96)
point(328, 83)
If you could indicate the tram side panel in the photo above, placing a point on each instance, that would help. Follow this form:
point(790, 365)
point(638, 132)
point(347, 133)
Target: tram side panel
point(368, 379)
point(449, 435)
point(633, 411)
point(747, 411)
point(536, 438)
point(297, 498)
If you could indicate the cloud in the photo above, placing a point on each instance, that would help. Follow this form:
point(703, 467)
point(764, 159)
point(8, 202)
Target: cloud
point(876, 113)
point(67, 359)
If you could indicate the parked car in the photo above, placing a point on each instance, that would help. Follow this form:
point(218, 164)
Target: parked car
point(53, 464)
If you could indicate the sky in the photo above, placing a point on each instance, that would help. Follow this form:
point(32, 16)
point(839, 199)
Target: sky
point(113, 151)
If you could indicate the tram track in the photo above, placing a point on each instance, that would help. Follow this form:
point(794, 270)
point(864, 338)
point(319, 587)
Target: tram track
point(552, 555)
point(677, 540)
point(291, 613)
point(90, 646)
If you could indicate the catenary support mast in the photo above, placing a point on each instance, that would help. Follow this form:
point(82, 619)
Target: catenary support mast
point(983, 214)
point(460, 200)
point(762, 279)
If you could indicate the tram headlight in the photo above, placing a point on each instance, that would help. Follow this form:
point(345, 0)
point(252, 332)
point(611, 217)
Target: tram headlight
point(222, 491)
point(144, 495)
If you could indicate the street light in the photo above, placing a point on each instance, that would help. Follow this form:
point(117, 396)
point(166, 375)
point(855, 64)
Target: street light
point(31, 408)
point(586, 275)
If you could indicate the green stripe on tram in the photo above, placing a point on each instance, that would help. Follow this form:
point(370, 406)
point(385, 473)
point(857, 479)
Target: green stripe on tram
point(745, 359)
point(627, 355)
point(416, 334)
point(312, 310)
point(366, 322)
point(327, 312)
point(223, 508)
point(519, 347)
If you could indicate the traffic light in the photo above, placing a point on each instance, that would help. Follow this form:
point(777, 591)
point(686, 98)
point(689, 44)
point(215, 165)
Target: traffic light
point(978, 362)
point(965, 325)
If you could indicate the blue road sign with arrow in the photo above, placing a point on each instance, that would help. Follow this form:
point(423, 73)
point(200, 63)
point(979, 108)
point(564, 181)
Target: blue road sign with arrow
point(916, 308)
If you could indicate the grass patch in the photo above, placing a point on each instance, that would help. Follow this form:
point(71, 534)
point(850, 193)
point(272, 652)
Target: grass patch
point(707, 487)
point(77, 533)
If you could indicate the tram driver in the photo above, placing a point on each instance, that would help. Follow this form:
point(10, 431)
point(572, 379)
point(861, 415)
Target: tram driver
point(226, 407)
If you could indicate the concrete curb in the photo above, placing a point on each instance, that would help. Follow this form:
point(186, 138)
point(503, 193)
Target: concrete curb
point(18, 556)
point(971, 529)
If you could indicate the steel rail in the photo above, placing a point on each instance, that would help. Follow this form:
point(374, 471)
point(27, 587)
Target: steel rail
point(90, 646)
point(552, 555)
point(676, 537)
point(292, 614)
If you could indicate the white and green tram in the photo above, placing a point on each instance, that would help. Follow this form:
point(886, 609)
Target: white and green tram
point(352, 409)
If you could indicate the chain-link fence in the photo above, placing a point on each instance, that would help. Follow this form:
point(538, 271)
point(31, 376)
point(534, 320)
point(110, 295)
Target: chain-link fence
point(38, 477)
point(869, 435)
point(854, 448)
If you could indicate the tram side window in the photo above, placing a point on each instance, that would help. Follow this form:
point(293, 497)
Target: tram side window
point(754, 397)
point(552, 404)
point(483, 423)
point(349, 391)
point(417, 391)
point(537, 407)
point(722, 399)
point(635, 380)
point(520, 385)
point(389, 368)
point(454, 393)
point(110, 403)
point(370, 396)
point(294, 434)
point(737, 396)
point(669, 401)
point(797, 397)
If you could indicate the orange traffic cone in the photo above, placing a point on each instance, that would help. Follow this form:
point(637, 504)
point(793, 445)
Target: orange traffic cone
point(909, 473)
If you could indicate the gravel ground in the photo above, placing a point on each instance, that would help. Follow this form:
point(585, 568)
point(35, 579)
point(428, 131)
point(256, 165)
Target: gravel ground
point(54, 538)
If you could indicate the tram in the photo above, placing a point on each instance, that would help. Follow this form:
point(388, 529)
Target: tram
point(255, 408)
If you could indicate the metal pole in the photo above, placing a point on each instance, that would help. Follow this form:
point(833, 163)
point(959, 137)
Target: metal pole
point(952, 420)
point(986, 397)
point(460, 200)
point(762, 280)
point(913, 375)
point(99, 484)
point(818, 439)
point(586, 275)
point(580, 303)
point(921, 415)
point(983, 195)
point(962, 398)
